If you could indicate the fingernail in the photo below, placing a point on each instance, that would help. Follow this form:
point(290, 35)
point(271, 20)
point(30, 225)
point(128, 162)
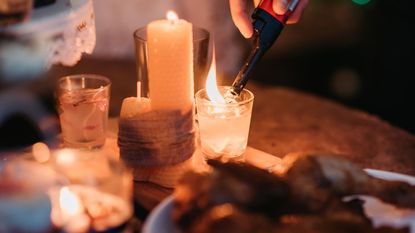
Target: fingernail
point(280, 6)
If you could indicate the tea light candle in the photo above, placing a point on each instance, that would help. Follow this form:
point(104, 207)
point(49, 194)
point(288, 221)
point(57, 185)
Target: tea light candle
point(223, 124)
point(170, 63)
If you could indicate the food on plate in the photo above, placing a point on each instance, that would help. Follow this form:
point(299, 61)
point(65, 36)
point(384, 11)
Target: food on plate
point(308, 197)
point(320, 179)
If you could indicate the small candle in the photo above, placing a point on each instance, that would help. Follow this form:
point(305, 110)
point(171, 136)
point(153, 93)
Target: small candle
point(170, 63)
point(132, 106)
point(223, 125)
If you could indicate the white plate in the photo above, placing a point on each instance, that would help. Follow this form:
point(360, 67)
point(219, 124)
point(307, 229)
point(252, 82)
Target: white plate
point(159, 221)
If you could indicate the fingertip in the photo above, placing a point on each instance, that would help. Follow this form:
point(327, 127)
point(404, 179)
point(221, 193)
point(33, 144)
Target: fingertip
point(241, 18)
point(295, 17)
point(245, 29)
point(280, 6)
point(247, 33)
point(244, 26)
point(293, 20)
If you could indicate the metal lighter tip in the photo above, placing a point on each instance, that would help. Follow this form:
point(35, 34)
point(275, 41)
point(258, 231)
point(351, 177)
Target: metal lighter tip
point(243, 75)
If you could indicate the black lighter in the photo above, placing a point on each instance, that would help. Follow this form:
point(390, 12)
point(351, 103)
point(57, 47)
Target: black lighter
point(267, 27)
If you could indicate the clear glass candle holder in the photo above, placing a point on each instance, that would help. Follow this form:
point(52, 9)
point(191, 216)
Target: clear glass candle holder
point(224, 127)
point(24, 202)
point(83, 102)
point(96, 195)
point(201, 53)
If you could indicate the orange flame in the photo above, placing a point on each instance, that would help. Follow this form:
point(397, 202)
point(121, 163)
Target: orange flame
point(211, 85)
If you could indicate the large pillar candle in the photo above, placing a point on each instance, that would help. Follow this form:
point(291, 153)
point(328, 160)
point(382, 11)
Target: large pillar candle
point(170, 64)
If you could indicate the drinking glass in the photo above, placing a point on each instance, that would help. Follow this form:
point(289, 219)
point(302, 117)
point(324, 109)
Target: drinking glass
point(83, 102)
point(96, 195)
point(224, 127)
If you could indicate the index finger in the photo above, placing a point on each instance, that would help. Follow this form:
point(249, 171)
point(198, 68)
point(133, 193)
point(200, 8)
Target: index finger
point(240, 17)
point(295, 17)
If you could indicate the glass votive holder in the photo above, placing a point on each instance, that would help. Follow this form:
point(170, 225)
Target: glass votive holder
point(201, 52)
point(83, 102)
point(224, 127)
point(24, 202)
point(97, 194)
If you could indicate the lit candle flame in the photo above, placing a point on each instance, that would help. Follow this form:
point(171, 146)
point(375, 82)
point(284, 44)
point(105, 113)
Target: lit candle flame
point(69, 202)
point(172, 17)
point(211, 85)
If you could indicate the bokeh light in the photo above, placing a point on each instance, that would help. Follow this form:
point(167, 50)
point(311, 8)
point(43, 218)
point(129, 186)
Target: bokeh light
point(361, 2)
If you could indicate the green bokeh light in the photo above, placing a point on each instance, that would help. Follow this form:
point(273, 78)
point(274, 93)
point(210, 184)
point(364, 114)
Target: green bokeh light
point(361, 2)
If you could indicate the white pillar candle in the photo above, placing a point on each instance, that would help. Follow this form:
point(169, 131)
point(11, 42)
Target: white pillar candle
point(170, 64)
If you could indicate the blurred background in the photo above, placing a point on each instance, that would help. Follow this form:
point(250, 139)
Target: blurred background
point(356, 52)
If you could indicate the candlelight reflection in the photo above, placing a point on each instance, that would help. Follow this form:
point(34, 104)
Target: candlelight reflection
point(69, 202)
point(172, 17)
point(65, 157)
point(41, 152)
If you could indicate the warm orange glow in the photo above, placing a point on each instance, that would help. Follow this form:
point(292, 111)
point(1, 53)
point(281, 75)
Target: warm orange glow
point(211, 85)
point(41, 152)
point(172, 17)
point(69, 202)
point(65, 157)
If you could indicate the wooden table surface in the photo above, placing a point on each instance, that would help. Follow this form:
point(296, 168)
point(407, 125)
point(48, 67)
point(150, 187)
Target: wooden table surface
point(285, 121)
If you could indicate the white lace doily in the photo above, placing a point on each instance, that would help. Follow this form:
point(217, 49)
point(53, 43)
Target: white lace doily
point(55, 34)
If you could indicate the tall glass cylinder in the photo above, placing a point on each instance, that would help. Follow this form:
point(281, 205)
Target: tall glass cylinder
point(201, 58)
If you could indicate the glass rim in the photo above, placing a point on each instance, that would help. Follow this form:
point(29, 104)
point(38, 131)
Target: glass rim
point(143, 38)
point(106, 81)
point(208, 102)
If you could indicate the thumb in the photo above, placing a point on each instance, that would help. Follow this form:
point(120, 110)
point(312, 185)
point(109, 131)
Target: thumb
point(280, 6)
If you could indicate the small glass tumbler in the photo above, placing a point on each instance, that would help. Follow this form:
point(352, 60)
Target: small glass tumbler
point(83, 102)
point(95, 194)
point(224, 127)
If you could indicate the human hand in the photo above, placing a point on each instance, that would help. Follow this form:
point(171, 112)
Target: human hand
point(243, 23)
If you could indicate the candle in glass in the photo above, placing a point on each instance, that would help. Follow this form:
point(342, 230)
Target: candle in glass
point(170, 63)
point(223, 125)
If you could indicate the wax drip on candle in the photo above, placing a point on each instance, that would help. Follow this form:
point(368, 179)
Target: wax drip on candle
point(172, 17)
